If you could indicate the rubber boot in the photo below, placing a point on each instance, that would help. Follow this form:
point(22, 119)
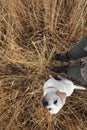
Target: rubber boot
point(59, 69)
point(60, 57)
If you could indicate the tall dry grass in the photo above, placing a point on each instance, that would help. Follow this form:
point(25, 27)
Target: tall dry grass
point(31, 31)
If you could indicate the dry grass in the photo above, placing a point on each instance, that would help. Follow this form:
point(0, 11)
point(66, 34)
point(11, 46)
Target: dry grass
point(30, 32)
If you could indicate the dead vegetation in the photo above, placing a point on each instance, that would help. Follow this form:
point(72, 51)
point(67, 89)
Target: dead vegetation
point(31, 31)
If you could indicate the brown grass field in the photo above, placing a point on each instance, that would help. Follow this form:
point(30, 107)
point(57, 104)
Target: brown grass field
point(31, 31)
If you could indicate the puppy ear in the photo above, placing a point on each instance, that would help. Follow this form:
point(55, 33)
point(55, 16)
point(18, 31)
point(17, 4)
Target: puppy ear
point(62, 95)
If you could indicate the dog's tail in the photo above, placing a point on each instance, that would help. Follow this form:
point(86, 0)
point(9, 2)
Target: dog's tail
point(79, 87)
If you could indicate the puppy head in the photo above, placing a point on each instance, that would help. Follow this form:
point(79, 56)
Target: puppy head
point(54, 101)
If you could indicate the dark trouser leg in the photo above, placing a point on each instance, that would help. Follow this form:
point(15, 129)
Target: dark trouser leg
point(78, 51)
point(74, 72)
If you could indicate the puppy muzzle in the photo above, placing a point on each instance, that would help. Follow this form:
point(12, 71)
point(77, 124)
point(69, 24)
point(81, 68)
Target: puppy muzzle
point(44, 102)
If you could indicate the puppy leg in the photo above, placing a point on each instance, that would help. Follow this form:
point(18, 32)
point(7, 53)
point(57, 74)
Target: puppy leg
point(51, 77)
point(60, 77)
point(55, 77)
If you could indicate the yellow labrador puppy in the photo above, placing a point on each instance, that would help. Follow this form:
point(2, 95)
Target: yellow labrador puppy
point(56, 91)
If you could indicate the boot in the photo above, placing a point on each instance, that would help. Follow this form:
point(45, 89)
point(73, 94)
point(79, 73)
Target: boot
point(59, 69)
point(60, 57)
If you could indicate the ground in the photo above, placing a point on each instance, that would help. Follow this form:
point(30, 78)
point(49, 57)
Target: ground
point(31, 32)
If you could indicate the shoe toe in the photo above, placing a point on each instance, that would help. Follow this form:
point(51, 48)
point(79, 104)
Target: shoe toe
point(57, 57)
point(54, 69)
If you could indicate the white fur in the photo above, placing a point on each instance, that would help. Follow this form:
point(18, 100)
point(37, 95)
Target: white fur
point(51, 86)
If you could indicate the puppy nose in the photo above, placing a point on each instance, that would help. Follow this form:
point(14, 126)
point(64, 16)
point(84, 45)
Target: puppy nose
point(44, 102)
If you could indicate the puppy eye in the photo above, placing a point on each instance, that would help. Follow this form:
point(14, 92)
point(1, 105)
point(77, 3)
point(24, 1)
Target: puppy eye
point(55, 102)
point(49, 109)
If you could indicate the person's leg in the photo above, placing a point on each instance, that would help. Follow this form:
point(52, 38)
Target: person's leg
point(75, 53)
point(78, 51)
point(75, 73)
